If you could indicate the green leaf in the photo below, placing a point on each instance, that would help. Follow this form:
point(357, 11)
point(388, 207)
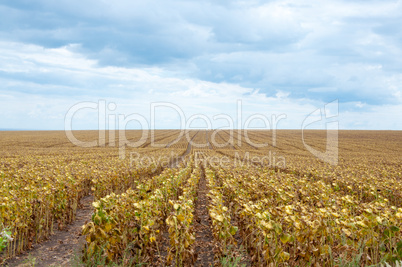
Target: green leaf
point(233, 230)
point(285, 238)
point(91, 249)
point(284, 256)
point(399, 245)
point(277, 229)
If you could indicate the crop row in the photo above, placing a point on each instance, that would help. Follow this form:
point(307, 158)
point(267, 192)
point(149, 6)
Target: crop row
point(37, 194)
point(284, 218)
point(180, 223)
point(222, 228)
point(131, 222)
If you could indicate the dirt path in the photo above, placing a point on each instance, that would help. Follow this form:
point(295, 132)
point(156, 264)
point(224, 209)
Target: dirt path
point(204, 245)
point(62, 248)
point(239, 251)
point(176, 162)
point(160, 257)
point(209, 144)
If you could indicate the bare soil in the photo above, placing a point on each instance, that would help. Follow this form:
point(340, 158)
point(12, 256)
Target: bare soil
point(63, 248)
point(176, 162)
point(239, 251)
point(204, 241)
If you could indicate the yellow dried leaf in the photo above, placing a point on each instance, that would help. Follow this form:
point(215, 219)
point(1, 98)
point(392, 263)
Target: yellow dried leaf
point(180, 217)
point(346, 231)
point(91, 249)
point(219, 218)
point(108, 227)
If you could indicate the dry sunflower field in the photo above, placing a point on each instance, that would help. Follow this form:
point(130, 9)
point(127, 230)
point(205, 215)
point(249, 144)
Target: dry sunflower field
point(208, 198)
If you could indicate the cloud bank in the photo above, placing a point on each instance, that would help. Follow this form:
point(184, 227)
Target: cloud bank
point(277, 57)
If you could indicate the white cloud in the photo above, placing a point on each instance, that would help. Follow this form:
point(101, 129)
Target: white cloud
point(44, 105)
point(277, 57)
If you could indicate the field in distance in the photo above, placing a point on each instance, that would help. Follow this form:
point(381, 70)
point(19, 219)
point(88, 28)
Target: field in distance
point(197, 197)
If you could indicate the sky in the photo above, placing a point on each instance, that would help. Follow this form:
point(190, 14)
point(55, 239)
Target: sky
point(93, 64)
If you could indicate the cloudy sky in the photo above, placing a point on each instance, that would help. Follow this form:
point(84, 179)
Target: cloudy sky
point(83, 59)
